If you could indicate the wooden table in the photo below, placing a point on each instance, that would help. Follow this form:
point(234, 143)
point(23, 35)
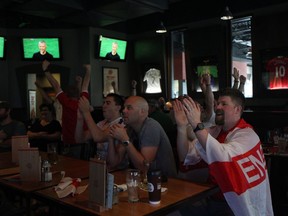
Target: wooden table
point(74, 168)
point(179, 192)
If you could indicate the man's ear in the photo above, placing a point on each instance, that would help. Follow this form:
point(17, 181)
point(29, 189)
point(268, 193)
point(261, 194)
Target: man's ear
point(239, 109)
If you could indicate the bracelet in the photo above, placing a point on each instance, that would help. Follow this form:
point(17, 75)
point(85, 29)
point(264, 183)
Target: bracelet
point(208, 84)
point(236, 81)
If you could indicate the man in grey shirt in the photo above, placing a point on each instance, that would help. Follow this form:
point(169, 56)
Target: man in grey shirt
point(144, 139)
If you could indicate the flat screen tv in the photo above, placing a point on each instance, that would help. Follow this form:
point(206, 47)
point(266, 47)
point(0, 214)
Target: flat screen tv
point(34, 48)
point(2, 47)
point(112, 49)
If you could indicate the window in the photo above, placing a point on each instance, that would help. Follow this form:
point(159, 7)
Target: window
point(242, 52)
point(179, 82)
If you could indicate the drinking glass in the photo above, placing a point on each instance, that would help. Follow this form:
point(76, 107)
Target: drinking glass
point(132, 181)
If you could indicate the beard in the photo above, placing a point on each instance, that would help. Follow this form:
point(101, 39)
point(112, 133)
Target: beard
point(219, 117)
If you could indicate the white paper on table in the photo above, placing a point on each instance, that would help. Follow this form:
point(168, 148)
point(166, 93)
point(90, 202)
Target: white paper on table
point(69, 186)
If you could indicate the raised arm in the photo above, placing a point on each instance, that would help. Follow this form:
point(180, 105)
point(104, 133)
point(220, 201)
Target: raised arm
point(94, 131)
point(78, 83)
point(43, 93)
point(235, 74)
point(208, 97)
point(54, 83)
point(242, 83)
point(87, 77)
point(182, 123)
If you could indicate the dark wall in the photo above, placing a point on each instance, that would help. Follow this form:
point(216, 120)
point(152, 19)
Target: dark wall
point(208, 42)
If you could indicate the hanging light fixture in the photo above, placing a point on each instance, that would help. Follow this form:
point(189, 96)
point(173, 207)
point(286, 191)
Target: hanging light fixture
point(161, 28)
point(227, 15)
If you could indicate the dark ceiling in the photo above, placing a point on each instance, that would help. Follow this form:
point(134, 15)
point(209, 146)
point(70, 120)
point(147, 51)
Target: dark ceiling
point(127, 16)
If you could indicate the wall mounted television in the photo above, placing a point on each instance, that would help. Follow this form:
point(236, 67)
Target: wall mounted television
point(32, 46)
point(106, 46)
point(2, 47)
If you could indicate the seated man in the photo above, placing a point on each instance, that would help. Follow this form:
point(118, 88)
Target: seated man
point(8, 127)
point(234, 156)
point(99, 132)
point(144, 140)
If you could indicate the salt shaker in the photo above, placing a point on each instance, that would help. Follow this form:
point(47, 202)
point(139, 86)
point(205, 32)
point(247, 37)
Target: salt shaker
point(46, 174)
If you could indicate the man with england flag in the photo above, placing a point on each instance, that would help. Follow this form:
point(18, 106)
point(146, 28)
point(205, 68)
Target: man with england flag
point(234, 156)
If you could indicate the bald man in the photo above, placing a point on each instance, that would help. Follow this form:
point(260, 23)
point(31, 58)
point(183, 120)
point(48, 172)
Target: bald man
point(144, 140)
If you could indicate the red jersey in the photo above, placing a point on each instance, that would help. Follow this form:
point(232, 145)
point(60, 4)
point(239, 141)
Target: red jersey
point(69, 116)
point(278, 73)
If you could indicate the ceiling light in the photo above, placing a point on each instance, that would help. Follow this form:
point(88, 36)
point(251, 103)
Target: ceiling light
point(227, 14)
point(161, 29)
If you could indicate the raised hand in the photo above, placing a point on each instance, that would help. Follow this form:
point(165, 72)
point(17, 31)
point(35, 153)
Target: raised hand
point(179, 114)
point(235, 74)
point(192, 110)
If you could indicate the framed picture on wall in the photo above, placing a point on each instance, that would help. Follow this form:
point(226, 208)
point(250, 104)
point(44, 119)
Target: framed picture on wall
point(274, 74)
point(110, 80)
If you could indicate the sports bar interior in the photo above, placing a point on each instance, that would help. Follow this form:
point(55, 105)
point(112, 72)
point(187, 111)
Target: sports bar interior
point(195, 36)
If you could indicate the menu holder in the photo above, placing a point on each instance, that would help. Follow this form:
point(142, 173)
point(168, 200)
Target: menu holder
point(30, 164)
point(97, 184)
point(18, 142)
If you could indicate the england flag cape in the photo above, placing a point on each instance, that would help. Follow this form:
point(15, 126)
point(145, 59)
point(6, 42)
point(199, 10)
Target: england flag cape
point(237, 163)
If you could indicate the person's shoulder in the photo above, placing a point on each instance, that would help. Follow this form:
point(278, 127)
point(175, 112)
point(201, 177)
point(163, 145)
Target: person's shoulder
point(152, 122)
point(49, 54)
point(36, 55)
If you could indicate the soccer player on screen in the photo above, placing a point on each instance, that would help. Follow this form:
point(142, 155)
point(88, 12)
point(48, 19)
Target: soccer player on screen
point(113, 55)
point(42, 54)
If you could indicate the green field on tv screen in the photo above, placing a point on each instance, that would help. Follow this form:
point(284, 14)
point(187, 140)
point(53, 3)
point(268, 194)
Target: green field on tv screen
point(30, 46)
point(2, 40)
point(106, 46)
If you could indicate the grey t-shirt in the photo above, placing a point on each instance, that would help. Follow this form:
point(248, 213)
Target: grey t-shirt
point(152, 134)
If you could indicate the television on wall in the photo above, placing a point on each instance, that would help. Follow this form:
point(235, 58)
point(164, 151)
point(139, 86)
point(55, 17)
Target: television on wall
point(113, 49)
point(33, 48)
point(2, 47)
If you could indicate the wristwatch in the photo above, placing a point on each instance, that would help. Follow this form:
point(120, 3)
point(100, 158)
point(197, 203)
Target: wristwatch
point(126, 143)
point(200, 126)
